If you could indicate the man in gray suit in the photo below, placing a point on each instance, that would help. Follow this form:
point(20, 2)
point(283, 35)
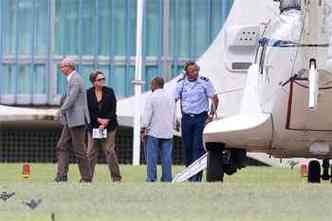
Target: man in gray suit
point(74, 116)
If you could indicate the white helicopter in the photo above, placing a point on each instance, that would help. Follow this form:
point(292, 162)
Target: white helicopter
point(282, 105)
point(271, 65)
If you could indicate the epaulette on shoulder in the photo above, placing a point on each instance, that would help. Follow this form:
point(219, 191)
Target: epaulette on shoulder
point(181, 79)
point(204, 78)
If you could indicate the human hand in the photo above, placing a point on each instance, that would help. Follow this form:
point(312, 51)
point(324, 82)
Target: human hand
point(144, 133)
point(58, 115)
point(210, 117)
point(103, 121)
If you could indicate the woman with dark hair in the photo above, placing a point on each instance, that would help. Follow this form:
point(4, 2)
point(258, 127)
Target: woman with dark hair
point(103, 126)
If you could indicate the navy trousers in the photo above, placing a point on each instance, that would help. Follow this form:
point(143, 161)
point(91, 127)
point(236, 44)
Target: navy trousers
point(192, 126)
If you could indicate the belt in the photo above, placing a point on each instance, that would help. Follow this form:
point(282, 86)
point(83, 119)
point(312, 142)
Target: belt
point(195, 115)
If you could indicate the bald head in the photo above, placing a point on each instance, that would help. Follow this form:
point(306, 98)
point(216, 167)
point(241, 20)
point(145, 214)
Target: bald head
point(67, 65)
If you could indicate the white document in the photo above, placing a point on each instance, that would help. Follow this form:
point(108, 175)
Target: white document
point(99, 133)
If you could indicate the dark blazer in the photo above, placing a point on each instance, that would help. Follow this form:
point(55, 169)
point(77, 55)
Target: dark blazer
point(107, 110)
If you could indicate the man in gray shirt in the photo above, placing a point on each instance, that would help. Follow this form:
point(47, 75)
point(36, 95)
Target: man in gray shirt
point(158, 125)
point(74, 117)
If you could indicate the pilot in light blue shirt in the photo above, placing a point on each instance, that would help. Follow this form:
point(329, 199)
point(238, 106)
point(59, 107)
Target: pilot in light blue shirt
point(194, 92)
point(194, 95)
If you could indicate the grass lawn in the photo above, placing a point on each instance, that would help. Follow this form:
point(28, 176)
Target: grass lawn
point(255, 193)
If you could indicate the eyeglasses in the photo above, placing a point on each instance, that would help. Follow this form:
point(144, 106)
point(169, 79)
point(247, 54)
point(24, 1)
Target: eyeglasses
point(100, 79)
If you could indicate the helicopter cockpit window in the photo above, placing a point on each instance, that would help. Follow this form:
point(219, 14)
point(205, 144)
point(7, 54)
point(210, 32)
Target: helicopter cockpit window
point(290, 4)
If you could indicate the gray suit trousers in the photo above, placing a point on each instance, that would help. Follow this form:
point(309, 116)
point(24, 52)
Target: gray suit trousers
point(73, 140)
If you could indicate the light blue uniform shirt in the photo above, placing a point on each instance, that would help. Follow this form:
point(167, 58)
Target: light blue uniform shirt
point(194, 95)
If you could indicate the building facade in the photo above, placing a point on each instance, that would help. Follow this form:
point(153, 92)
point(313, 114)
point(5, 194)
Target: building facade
point(35, 35)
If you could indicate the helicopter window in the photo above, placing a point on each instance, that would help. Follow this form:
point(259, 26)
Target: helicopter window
point(241, 65)
point(290, 4)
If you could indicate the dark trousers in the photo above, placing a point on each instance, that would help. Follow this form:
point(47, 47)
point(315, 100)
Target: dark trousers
point(73, 140)
point(108, 146)
point(192, 126)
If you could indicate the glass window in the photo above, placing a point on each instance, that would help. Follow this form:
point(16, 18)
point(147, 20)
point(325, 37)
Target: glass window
point(105, 28)
point(131, 28)
point(6, 80)
point(23, 79)
point(61, 82)
point(177, 69)
point(119, 21)
point(25, 25)
point(40, 83)
point(67, 27)
point(153, 28)
point(118, 80)
point(9, 16)
point(200, 12)
point(41, 28)
point(99, 34)
point(85, 71)
point(216, 19)
point(87, 29)
point(180, 28)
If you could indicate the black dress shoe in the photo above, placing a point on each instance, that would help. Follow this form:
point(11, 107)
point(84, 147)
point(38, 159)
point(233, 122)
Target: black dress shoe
point(59, 179)
point(85, 181)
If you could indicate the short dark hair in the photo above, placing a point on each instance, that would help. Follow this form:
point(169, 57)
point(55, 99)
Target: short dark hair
point(159, 81)
point(94, 75)
point(190, 63)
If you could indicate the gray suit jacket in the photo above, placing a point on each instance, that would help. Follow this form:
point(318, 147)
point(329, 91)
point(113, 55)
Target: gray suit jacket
point(74, 108)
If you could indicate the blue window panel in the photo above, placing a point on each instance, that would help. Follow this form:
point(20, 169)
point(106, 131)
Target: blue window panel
point(131, 27)
point(130, 77)
point(9, 14)
point(23, 79)
point(152, 30)
point(119, 21)
point(227, 5)
point(85, 71)
point(41, 27)
point(25, 23)
point(121, 80)
point(88, 27)
point(194, 24)
point(180, 28)
point(27, 19)
point(118, 82)
point(100, 27)
point(40, 84)
point(6, 79)
point(61, 82)
point(105, 30)
point(199, 27)
point(216, 20)
point(177, 69)
point(66, 27)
